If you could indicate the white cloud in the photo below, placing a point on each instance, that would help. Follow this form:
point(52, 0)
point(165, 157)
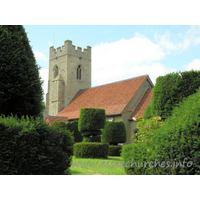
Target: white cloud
point(194, 34)
point(40, 56)
point(194, 65)
point(196, 40)
point(126, 59)
point(194, 30)
point(44, 76)
point(167, 45)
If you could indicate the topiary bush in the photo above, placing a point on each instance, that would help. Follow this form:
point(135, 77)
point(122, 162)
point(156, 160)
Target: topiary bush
point(94, 138)
point(32, 147)
point(114, 133)
point(114, 150)
point(90, 150)
point(91, 133)
point(91, 119)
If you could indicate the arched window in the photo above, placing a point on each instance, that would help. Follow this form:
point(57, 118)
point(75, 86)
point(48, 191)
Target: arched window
point(55, 71)
point(79, 72)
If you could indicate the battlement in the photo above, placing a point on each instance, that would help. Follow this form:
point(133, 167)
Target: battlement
point(69, 49)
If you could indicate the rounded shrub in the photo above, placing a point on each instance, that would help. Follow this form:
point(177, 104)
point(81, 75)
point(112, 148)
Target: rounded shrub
point(90, 150)
point(114, 133)
point(32, 147)
point(91, 119)
point(114, 150)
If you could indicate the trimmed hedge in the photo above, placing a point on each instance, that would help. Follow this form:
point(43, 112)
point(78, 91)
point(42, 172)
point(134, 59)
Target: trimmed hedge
point(90, 150)
point(91, 119)
point(114, 133)
point(171, 89)
point(134, 155)
point(32, 147)
point(114, 150)
point(178, 140)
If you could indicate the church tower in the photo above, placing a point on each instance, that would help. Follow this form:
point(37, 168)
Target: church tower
point(69, 72)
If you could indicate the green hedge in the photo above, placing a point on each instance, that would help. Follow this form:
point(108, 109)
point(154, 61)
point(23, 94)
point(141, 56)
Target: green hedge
point(114, 150)
point(32, 147)
point(171, 89)
point(91, 119)
point(178, 140)
point(114, 133)
point(71, 126)
point(147, 113)
point(134, 155)
point(90, 150)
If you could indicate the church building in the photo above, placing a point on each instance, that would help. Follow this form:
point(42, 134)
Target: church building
point(69, 90)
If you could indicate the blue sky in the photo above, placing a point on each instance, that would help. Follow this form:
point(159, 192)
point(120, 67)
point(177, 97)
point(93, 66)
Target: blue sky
point(121, 52)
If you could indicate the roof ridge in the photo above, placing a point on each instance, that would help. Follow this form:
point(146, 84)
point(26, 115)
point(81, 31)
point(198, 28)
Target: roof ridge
point(118, 81)
point(113, 82)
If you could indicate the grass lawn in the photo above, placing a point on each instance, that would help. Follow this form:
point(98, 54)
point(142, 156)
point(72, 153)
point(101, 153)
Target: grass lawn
point(94, 166)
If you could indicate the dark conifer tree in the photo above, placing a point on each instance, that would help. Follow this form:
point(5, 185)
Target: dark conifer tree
point(20, 84)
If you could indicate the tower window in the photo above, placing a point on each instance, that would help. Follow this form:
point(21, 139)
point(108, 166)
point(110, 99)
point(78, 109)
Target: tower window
point(79, 72)
point(55, 71)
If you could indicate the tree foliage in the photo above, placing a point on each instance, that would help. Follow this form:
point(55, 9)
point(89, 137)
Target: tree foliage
point(172, 89)
point(20, 84)
point(147, 113)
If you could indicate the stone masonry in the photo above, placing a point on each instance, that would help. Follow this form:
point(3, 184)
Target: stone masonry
point(63, 82)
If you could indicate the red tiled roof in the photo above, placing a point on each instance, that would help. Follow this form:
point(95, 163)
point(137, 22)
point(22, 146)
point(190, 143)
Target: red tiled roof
point(112, 97)
point(52, 119)
point(145, 101)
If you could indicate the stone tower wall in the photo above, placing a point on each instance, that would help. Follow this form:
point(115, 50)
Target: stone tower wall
point(67, 59)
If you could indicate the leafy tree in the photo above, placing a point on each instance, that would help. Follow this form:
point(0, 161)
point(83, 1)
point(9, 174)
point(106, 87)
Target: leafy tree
point(20, 84)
